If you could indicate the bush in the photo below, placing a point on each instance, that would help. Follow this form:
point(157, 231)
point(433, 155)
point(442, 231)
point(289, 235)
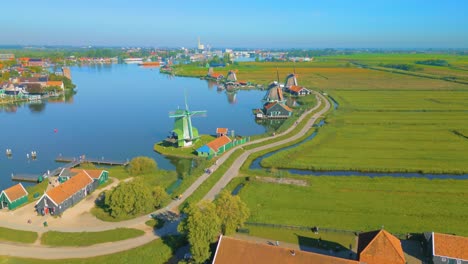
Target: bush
point(141, 165)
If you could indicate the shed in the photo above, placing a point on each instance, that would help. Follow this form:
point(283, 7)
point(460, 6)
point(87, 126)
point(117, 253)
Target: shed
point(205, 151)
point(221, 131)
point(13, 197)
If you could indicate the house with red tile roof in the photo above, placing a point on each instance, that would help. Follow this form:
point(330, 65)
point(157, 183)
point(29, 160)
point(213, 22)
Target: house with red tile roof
point(56, 200)
point(232, 250)
point(56, 84)
point(298, 90)
point(380, 247)
point(215, 76)
point(446, 249)
point(13, 197)
point(220, 144)
point(221, 131)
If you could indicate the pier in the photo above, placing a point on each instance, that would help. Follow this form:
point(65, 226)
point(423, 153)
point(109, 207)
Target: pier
point(94, 161)
point(71, 163)
point(25, 178)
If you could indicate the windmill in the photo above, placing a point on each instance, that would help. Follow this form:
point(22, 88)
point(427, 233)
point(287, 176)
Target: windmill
point(275, 92)
point(291, 80)
point(184, 133)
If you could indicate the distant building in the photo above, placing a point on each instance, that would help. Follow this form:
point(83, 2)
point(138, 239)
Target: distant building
point(447, 249)
point(291, 80)
point(298, 90)
point(66, 72)
point(232, 250)
point(7, 57)
point(380, 247)
point(36, 62)
point(13, 197)
point(56, 84)
point(200, 46)
point(221, 132)
point(231, 76)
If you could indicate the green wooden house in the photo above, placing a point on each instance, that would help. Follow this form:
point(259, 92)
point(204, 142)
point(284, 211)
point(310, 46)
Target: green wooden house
point(220, 145)
point(13, 197)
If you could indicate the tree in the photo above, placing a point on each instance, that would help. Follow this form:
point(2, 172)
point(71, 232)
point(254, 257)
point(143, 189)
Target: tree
point(159, 196)
point(201, 226)
point(130, 198)
point(141, 165)
point(231, 211)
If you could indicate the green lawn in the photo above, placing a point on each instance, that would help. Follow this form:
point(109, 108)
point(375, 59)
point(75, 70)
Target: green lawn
point(20, 236)
point(362, 204)
point(325, 240)
point(54, 238)
point(155, 252)
point(387, 131)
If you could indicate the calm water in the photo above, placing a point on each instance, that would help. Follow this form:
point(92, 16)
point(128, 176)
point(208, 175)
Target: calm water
point(119, 112)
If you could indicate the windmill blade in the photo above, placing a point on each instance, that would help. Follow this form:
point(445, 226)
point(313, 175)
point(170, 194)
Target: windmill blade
point(198, 113)
point(186, 104)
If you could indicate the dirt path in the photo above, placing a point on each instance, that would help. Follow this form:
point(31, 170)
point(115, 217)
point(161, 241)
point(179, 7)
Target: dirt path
point(79, 219)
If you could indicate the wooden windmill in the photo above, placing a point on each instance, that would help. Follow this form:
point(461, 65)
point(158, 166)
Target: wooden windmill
point(184, 133)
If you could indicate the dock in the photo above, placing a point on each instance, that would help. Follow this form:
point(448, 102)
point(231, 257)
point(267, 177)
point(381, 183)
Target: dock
point(24, 178)
point(71, 163)
point(90, 160)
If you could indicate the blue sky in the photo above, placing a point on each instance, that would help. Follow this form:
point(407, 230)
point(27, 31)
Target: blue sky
point(239, 23)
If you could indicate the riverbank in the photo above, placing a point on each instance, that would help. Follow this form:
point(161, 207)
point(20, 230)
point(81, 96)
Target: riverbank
point(168, 149)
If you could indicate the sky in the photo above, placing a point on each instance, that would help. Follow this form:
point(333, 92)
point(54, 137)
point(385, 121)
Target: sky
point(240, 23)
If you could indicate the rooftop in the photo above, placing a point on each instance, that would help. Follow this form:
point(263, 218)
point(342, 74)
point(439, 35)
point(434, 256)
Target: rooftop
point(380, 247)
point(450, 246)
point(70, 187)
point(15, 192)
point(218, 142)
point(231, 250)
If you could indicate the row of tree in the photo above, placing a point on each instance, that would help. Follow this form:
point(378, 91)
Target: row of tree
point(206, 220)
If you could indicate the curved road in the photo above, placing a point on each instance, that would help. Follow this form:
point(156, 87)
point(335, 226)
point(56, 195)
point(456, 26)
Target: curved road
point(45, 252)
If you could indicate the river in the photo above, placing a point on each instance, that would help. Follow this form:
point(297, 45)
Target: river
point(118, 112)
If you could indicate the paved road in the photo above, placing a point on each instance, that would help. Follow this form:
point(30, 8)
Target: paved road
point(43, 252)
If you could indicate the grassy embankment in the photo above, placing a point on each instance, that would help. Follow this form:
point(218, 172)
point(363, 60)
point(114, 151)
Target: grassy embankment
point(20, 236)
point(168, 149)
point(155, 252)
point(80, 239)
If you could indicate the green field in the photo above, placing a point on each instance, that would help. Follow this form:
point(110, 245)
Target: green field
point(324, 239)
point(361, 203)
point(13, 235)
point(388, 131)
point(64, 239)
point(155, 252)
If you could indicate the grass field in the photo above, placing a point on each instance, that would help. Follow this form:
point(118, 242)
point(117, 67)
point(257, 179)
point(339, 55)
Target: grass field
point(328, 240)
point(388, 131)
point(362, 203)
point(158, 251)
point(64, 239)
point(20, 236)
